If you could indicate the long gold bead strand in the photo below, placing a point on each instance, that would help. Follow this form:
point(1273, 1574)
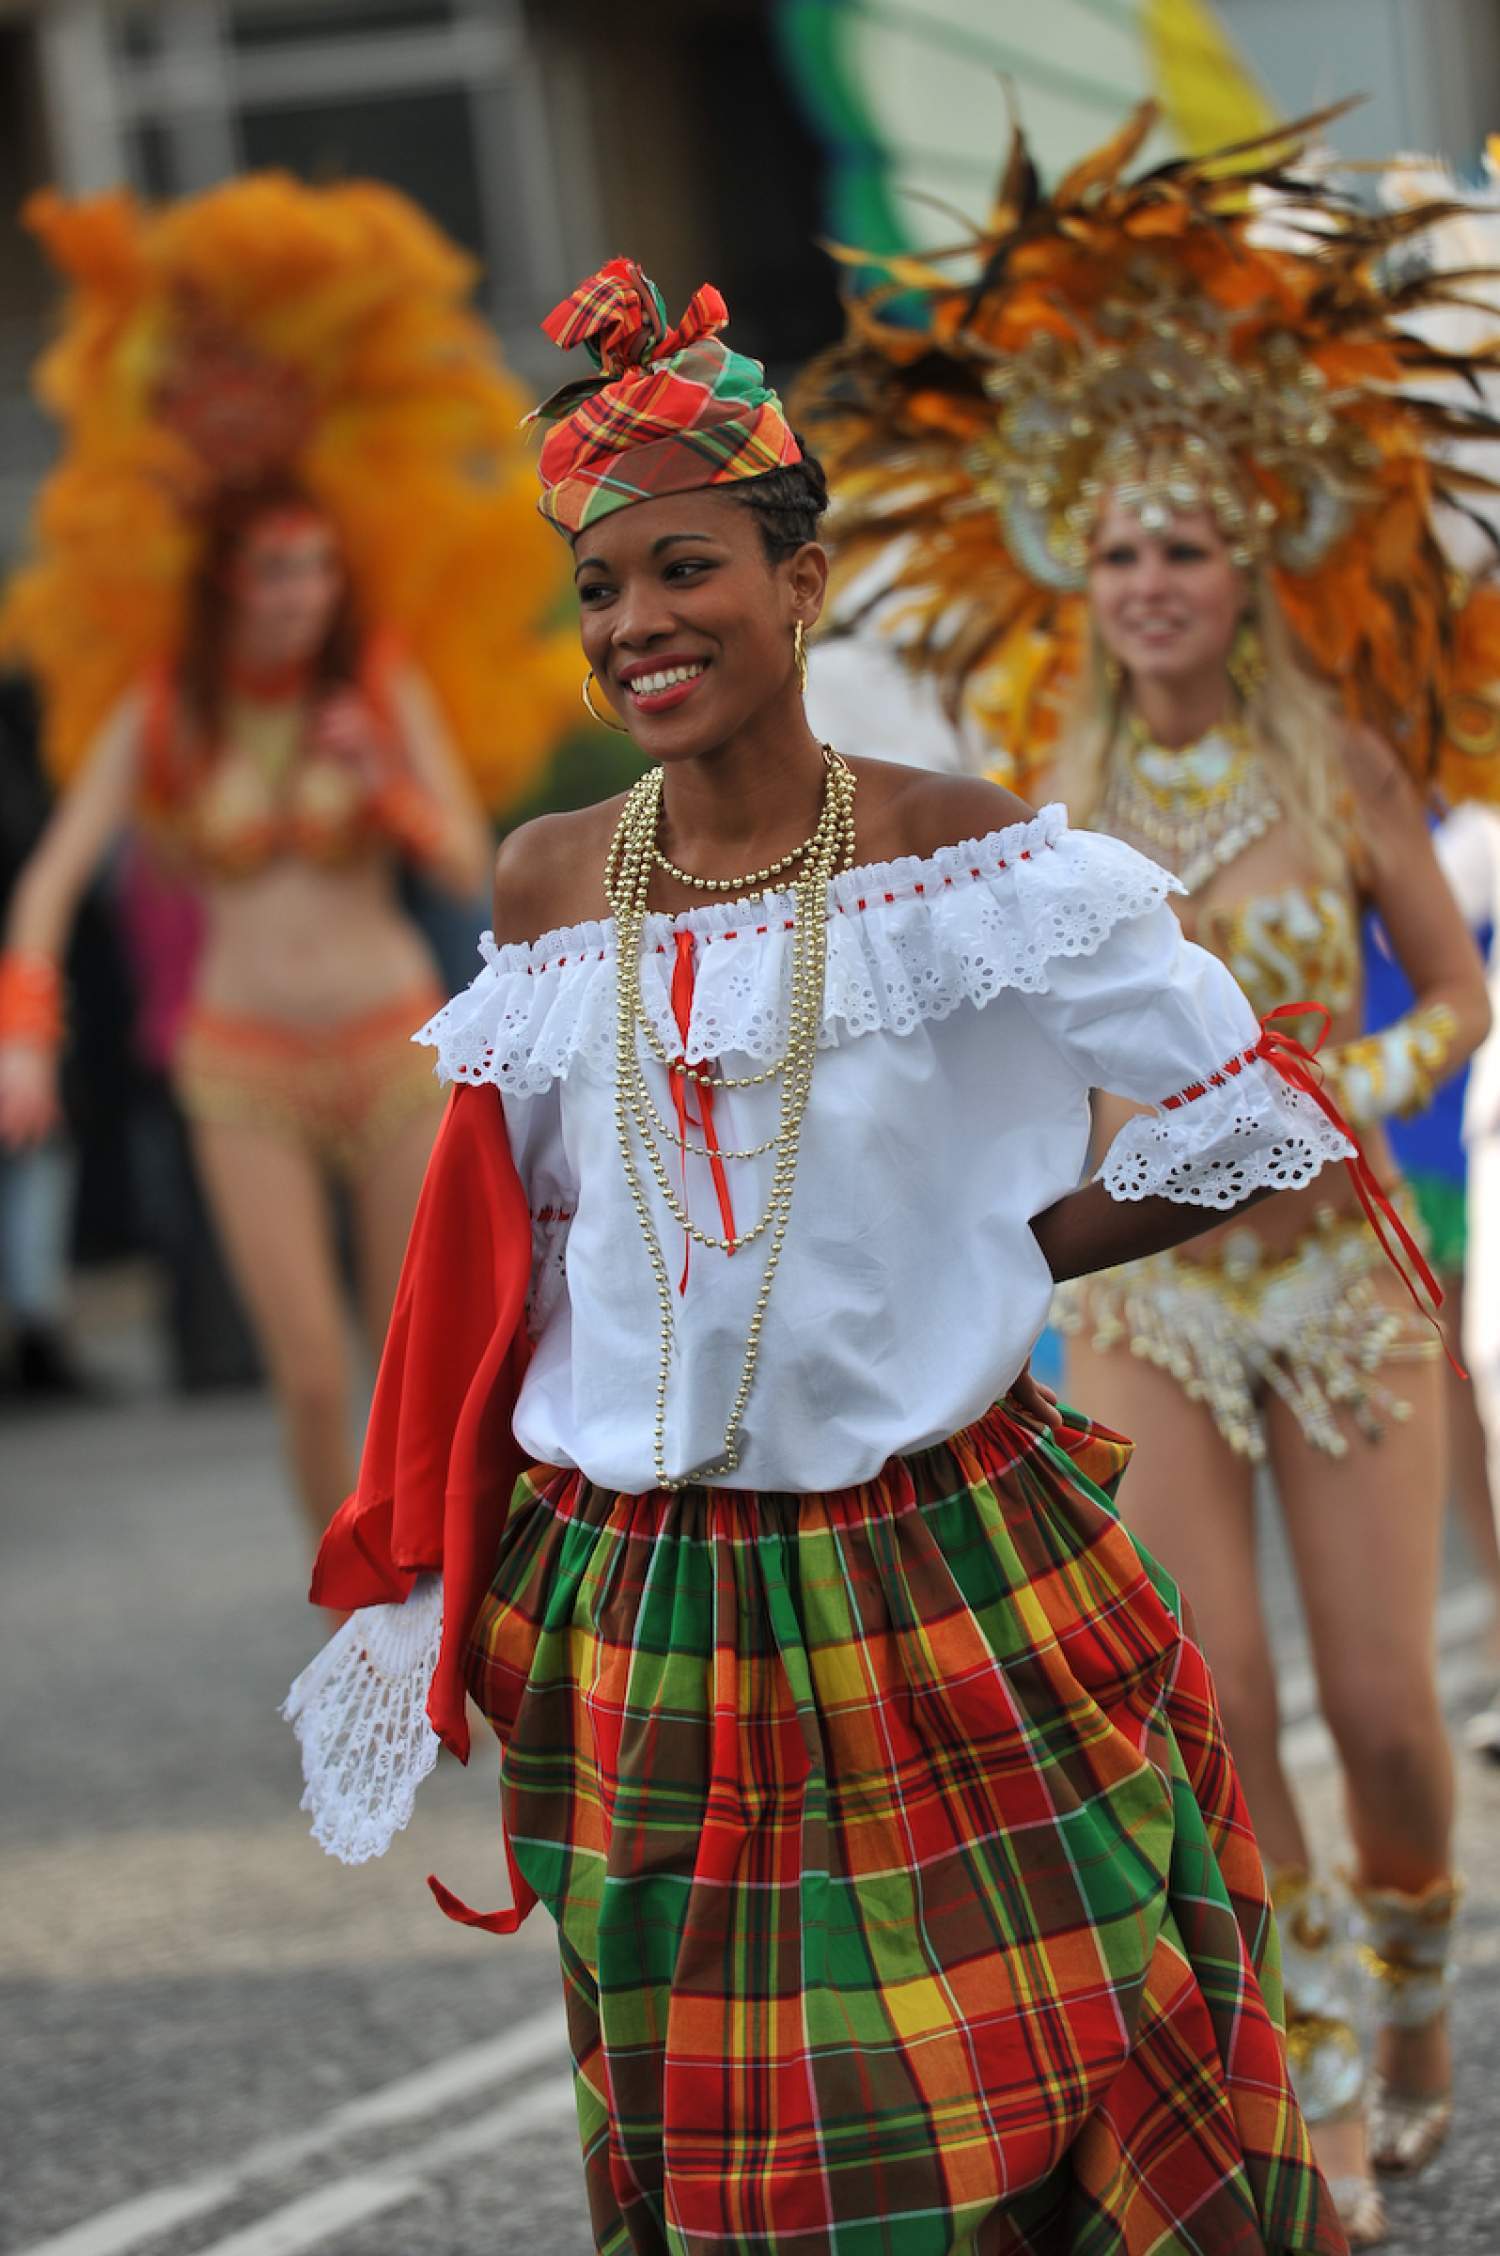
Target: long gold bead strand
point(627, 896)
point(634, 853)
point(642, 1106)
point(833, 837)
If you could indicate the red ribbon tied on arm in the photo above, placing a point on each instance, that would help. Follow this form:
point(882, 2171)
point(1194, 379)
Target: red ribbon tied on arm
point(1298, 1066)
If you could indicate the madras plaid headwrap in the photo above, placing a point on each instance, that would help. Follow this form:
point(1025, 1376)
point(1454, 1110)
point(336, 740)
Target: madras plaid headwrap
point(671, 410)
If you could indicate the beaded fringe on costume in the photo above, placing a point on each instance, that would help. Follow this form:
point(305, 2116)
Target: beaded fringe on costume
point(1232, 1326)
point(905, 1890)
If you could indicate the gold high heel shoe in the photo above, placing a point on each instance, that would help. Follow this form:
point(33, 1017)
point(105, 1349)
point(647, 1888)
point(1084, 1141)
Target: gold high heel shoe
point(1404, 1948)
point(1323, 2049)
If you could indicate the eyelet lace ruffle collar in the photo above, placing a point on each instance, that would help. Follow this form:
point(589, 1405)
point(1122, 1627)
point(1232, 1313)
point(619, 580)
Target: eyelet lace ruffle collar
point(908, 940)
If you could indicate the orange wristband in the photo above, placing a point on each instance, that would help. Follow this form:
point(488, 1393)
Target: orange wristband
point(31, 999)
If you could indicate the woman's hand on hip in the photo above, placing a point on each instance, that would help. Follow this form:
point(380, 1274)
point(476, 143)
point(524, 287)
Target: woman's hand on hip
point(1034, 1400)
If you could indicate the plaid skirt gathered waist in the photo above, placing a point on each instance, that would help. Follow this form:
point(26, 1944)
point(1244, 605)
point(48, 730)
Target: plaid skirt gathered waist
point(907, 1901)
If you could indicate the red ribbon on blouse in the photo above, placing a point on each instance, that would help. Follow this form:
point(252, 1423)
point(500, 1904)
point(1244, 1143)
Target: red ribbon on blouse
point(682, 1011)
point(1298, 1066)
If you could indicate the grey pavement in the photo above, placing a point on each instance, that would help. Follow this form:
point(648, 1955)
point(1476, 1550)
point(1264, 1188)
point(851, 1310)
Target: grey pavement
point(214, 2041)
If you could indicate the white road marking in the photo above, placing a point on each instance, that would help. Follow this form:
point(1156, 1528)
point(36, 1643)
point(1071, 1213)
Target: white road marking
point(319, 2217)
point(334, 2209)
point(535, 2043)
point(324, 2216)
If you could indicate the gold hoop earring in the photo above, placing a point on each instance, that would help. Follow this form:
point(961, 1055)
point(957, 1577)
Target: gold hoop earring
point(1114, 675)
point(799, 655)
point(1247, 663)
point(594, 713)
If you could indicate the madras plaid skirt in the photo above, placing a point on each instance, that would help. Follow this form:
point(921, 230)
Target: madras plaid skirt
point(907, 1901)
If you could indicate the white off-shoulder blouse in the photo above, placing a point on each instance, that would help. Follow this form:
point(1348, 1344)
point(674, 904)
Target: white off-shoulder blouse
point(973, 1000)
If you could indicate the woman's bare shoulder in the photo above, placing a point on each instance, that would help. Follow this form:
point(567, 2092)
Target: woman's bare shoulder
point(903, 810)
point(550, 872)
point(1375, 772)
point(1383, 800)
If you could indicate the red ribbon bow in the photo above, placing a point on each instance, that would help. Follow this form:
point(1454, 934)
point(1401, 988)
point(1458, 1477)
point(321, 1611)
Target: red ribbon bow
point(1298, 1066)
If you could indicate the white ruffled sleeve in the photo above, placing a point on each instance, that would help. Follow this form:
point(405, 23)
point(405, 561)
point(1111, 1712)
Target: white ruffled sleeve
point(1153, 1017)
point(531, 1013)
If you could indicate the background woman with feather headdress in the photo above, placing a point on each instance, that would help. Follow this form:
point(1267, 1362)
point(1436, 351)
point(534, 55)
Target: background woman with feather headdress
point(286, 609)
point(1150, 499)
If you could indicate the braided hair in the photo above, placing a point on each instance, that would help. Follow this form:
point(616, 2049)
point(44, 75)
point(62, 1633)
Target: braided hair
point(787, 503)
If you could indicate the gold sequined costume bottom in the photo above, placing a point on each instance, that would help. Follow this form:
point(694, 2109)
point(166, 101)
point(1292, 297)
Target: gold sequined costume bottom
point(339, 1092)
point(1242, 1323)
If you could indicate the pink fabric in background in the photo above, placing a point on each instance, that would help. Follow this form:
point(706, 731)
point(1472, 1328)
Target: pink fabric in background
point(162, 921)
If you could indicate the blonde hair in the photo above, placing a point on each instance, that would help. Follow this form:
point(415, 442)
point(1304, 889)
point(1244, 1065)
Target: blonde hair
point(1293, 720)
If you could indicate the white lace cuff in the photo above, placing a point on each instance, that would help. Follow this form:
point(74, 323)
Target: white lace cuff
point(1244, 1131)
point(359, 1710)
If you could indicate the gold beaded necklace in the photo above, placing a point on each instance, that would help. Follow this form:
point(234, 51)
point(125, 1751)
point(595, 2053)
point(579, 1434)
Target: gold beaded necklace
point(633, 856)
point(750, 883)
point(1194, 809)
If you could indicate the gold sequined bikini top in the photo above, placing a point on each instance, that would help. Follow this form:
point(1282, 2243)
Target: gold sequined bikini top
point(1287, 947)
point(268, 793)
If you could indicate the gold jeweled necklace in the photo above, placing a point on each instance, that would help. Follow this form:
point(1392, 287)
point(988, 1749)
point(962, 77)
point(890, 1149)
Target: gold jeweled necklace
point(635, 852)
point(1195, 810)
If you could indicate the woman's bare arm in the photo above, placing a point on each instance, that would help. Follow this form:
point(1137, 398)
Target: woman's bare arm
point(1089, 1230)
point(82, 828)
point(1406, 885)
point(461, 856)
point(45, 902)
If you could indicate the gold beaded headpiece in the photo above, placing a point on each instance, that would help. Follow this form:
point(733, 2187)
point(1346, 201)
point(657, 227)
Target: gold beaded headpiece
point(1149, 406)
point(1221, 332)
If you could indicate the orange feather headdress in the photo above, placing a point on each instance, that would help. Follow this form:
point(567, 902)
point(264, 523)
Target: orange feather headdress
point(268, 329)
point(1220, 332)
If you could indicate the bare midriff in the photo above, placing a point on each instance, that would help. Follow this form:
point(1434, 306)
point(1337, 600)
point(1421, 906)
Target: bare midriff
point(283, 842)
point(307, 945)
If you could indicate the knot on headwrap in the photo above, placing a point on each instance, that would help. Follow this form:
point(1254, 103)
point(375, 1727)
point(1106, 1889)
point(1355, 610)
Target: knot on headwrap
point(670, 410)
point(620, 315)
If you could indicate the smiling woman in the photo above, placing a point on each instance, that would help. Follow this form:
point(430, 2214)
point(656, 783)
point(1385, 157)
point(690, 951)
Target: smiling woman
point(678, 618)
point(868, 1770)
point(255, 654)
point(1200, 738)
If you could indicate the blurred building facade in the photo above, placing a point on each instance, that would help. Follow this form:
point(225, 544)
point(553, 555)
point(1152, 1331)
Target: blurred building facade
point(911, 98)
point(1429, 70)
point(707, 136)
point(543, 135)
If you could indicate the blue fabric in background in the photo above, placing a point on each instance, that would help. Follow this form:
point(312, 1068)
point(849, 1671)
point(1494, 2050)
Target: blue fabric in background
point(1047, 1358)
point(1432, 1142)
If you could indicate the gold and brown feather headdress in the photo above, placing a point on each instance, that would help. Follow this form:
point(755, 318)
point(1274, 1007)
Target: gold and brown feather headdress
point(1223, 332)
